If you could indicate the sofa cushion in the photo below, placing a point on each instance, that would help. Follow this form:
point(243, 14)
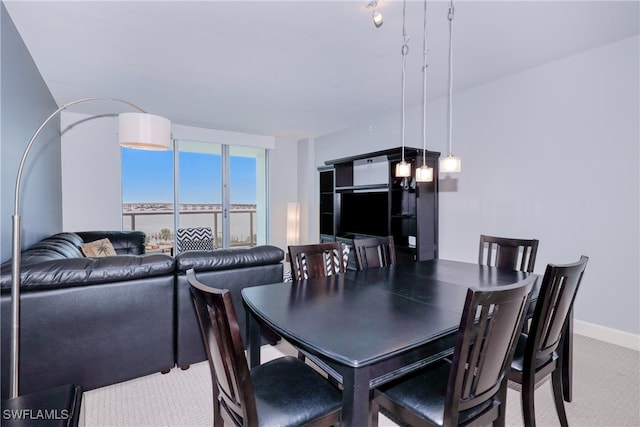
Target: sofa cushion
point(124, 242)
point(57, 246)
point(224, 259)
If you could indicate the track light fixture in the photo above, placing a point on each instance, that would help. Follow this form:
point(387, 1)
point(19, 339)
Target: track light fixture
point(377, 16)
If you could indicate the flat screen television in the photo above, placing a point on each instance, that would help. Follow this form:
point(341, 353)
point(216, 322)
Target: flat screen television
point(364, 213)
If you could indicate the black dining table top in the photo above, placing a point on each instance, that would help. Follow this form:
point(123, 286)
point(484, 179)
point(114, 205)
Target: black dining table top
point(363, 317)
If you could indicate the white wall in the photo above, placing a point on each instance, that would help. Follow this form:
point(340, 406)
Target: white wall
point(309, 203)
point(91, 179)
point(556, 154)
point(551, 153)
point(283, 171)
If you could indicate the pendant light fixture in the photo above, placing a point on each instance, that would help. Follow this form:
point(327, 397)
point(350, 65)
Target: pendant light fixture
point(424, 173)
point(450, 163)
point(403, 169)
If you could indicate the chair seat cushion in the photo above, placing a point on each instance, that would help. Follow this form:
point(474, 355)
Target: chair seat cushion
point(518, 358)
point(423, 393)
point(290, 393)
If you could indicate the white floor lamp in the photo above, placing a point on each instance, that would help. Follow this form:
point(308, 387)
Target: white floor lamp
point(136, 130)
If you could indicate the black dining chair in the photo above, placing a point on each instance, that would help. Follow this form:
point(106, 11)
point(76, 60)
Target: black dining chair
point(317, 260)
point(283, 392)
point(372, 252)
point(538, 354)
point(471, 389)
point(504, 252)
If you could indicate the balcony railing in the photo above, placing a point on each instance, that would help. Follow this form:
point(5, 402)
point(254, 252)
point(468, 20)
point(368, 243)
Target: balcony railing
point(156, 220)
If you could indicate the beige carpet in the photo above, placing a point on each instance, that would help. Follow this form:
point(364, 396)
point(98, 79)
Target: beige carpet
point(606, 393)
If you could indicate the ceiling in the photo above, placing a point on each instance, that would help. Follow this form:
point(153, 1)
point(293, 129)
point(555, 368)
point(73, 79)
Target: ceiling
point(294, 68)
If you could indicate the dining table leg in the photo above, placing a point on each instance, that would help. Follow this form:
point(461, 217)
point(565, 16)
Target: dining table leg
point(253, 340)
point(355, 397)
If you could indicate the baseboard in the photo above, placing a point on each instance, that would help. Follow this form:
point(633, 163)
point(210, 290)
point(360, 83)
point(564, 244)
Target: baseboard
point(602, 333)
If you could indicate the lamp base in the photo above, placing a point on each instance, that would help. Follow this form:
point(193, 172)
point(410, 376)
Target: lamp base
point(59, 406)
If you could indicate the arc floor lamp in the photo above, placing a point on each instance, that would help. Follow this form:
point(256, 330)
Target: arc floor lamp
point(136, 130)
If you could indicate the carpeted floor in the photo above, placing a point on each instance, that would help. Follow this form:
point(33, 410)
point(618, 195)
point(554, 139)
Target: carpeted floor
point(606, 393)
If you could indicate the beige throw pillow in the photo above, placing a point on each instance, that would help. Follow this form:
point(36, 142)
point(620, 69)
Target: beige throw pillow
point(97, 249)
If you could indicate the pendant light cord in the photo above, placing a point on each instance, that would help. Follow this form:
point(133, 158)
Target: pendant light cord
point(450, 118)
point(424, 89)
point(405, 50)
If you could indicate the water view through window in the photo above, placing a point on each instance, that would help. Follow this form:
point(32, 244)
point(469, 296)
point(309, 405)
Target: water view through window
point(148, 193)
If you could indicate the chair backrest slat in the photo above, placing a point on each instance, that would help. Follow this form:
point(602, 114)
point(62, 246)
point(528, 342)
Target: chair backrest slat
point(508, 253)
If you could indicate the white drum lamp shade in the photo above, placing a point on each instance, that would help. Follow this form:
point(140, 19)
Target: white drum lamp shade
point(144, 131)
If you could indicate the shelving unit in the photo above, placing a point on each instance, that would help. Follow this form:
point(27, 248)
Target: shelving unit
point(327, 205)
point(360, 196)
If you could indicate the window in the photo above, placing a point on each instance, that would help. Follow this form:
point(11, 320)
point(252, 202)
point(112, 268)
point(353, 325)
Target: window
point(216, 186)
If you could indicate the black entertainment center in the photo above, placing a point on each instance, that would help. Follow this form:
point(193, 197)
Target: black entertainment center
point(360, 196)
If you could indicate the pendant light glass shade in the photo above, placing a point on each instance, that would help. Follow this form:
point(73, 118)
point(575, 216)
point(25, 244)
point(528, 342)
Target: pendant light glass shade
point(144, 131)
point(377, 19)
point(377, 16)
point(450, 164)
point(403, 169)
point(424, 174)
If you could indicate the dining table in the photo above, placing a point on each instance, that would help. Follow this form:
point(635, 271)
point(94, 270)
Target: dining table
point(365, 328)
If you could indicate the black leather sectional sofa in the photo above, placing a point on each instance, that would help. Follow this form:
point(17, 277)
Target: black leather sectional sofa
point(98, 321)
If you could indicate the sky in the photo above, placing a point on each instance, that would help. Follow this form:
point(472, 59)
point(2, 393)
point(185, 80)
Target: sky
point(147, 177)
